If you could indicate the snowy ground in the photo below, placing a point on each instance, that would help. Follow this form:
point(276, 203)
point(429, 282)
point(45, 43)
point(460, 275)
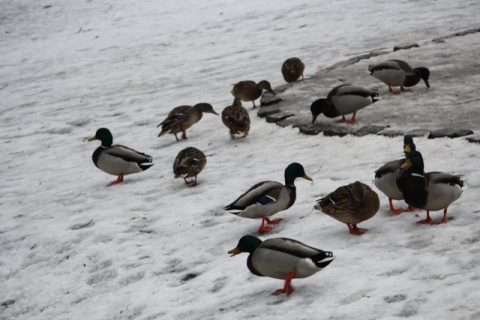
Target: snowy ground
point(157, 249)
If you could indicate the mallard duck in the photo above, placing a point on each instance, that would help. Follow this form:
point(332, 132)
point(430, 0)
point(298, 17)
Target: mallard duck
point(350, 204)
point(282, 258)
point(117, 159)
point(292, 69)
point(236, 118)
point(269, 197)
point(189, 163)
point(183, 117)
point(386, 177)
point(430, 191)
point(248, 90)
point(398, 73)
point(342, 100)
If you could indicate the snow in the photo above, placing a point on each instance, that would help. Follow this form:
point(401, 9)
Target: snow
point(156, 248)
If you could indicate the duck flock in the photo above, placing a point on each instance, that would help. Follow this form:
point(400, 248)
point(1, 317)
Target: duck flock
point(284, 258)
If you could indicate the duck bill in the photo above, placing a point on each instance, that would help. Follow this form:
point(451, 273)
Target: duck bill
point(234, 252)
point(314, 118)
point(406, 164)
point(427, 83)
point(307, 177)
point(91, 139)
point(407, 149)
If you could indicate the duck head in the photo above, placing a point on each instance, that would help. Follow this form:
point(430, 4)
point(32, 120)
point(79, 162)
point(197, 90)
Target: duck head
point(293, 171)
point(424, 73)
point(104, 135)
point(265, 85)
point(205, 108)
point(317, 108)
point(245, 244)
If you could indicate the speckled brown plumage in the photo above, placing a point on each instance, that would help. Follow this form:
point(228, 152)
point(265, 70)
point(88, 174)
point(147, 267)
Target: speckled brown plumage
point(292, 69)
point(236, 119)
point(189, 163)
point(351, 204)
point(248, 90)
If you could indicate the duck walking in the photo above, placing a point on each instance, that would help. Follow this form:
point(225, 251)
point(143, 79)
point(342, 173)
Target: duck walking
point(398, 73)
point(269, 197)
point(342, 100)
point(183, 117)
point(248, 90)
point(282, 258)
point(292, 69)
point(236, 119)
point(117, 159)
point(386, 177)
point(430, 191)
point(189, 163)
point(350, 204)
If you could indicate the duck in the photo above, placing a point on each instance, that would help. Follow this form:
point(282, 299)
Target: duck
point(118, 160)
point(236, 119)
point(386, 177)
point(398, 73)
point(189, 163)
point(183, 117)
point(266, 198)
point(350, 204)
point(282, 258)
point(342, 100)
point(248, 90)
point(292, 69)
point(430, 191)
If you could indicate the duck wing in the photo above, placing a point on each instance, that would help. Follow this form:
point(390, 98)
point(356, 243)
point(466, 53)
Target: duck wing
point(389, 167)
point(262, 193)
point(127, 154)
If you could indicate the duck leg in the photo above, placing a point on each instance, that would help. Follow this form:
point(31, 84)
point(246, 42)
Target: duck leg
point(119, 179)
point(393, 210)
point(263, 228)
point(351, 121)
point(287, 288)
point(192, 182)
point(184, 131)
point(391, 90)
point(356, 230)
point(404, 89)
point(444, 217)
point(427, 220)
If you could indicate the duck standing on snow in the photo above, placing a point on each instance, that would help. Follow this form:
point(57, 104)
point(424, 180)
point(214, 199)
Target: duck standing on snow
point(248, 90)
point(342, 100)
point(189, 163)
point(292, 69)
point(236, 119)
point(269, 197)
point(183, 117)
point(350, 204)
point(117, 159)
point(430, 191)
point(398, 73)
point(386, 177)
point(282, 258)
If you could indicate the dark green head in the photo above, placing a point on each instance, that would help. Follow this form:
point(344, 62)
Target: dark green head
point(293, 171)
point(104, 135)
point(205, 107)
point(414, 162)
point(246, 244)
point(317, 108)
point(424, 73)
